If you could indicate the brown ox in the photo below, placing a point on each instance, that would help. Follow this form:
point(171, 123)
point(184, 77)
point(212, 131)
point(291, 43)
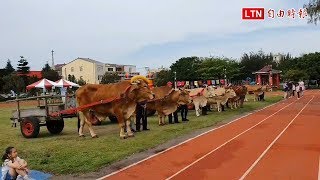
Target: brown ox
point(257, 90)
point(238, 100)
point(223, 95)
point(167, 101)
point(128, 94)
point(200, 97)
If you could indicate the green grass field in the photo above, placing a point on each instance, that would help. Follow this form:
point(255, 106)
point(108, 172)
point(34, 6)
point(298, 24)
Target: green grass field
point(69, 154)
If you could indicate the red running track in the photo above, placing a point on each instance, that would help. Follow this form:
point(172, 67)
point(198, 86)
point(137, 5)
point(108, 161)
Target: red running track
point(278, 142)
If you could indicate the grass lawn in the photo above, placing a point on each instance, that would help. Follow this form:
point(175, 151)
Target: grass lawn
point(69, 154)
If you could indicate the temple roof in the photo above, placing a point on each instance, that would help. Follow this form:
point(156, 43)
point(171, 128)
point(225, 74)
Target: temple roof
point(266, 70)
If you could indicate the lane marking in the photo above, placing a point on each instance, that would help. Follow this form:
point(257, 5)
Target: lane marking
point(127, 167)
point(227, 142)
point(265, 151)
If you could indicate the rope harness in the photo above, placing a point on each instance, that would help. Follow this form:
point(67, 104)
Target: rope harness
point(81, 108)
point(198, 94)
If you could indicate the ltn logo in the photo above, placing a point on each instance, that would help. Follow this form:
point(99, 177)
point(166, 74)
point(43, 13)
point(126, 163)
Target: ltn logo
point(253, 13)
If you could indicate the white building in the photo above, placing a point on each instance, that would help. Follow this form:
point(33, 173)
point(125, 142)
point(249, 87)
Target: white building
point(277, 57)
point(92, 71)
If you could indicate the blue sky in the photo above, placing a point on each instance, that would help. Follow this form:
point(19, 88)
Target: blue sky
point(144, 32)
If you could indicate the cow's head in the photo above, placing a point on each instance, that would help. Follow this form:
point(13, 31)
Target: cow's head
point(184, 97)
point(230, 93)
point(265, 88)
point(209, 92)
point(140, 90)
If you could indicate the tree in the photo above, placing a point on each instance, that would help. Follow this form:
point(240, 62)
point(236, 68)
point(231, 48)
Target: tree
point(23, 67)
point(295, 75)
point(49, 73)
point(72, 78)
point(81, 82)
point(14, 82)
point(9, 68)
point(313, 10)
point(311, 64)
point(255, 61)
point(163, 77)
point(219, 68)
point(110, 77)
point(286, 63)
point(186, 68)
point(46, 67)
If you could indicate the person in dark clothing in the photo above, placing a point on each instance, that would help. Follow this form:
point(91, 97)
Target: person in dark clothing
point(261, 97)
point(175, 117)
point(204, 110)
point(141, 114)
point(222, 107)
point(290, 89)
point(184, 112)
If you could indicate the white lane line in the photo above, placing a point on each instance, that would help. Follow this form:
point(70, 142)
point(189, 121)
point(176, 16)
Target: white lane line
point(265, 151)
point(227, 142)
point(127, 167)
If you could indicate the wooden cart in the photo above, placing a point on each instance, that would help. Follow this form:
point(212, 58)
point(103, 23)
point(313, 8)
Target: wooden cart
point(46, 113)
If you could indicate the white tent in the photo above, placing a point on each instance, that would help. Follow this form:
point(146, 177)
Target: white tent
point(65, 83)
point(43, 83)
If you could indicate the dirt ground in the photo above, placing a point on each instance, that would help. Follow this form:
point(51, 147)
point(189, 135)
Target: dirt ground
point(14, 104)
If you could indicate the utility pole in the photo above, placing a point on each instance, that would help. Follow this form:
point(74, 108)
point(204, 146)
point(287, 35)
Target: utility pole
point(175, 80)
point(52, 67)
point(225, 75)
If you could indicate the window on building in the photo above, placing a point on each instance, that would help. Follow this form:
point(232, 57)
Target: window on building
point(72, 69)
point(81, 68)
point(110, 69)
point(100, 68)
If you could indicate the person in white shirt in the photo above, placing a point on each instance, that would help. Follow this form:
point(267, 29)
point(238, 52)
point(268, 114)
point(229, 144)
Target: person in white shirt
point(285, 89)
point(293, 88)
point(301, 87)
point(13, 166)
point(297, 90)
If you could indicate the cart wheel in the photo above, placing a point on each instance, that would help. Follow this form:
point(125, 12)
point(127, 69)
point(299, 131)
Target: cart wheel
point(55, 126)
point(113, 119)
point(30, 127)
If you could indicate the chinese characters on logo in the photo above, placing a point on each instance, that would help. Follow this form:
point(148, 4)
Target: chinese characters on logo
point(259, 13)
point(290, 13)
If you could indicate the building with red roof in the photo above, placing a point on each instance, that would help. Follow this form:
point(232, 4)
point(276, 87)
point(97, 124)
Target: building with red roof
point(269, 76)
point(34, 73)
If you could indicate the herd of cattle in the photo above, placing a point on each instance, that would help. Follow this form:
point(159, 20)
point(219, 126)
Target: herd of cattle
point(164, 100)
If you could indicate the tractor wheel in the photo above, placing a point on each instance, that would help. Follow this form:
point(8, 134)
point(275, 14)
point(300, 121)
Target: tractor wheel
point(30, 127)
point(55, 126)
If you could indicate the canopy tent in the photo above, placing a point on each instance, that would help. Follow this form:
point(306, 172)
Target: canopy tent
point(65, 83)
point(43, 83)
